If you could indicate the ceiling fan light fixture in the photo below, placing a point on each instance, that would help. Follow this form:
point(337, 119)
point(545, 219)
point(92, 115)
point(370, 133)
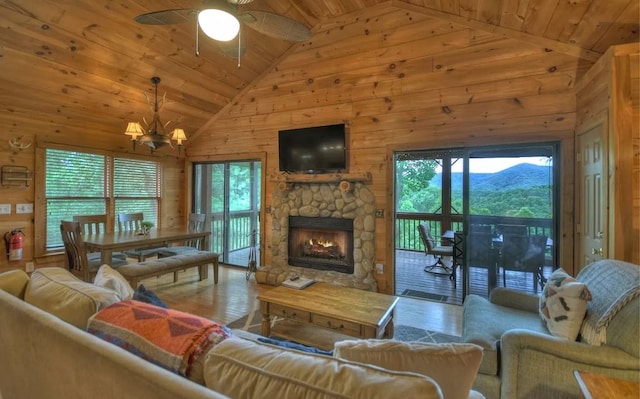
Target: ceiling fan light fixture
point(218, 24)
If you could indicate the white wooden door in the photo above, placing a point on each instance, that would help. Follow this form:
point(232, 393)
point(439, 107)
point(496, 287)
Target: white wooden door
point(593, 195)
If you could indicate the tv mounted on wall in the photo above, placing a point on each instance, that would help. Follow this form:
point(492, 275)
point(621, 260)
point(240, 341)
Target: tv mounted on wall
point(320, 149)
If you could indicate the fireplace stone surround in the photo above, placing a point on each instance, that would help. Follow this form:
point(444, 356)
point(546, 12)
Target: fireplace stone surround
point(323, 200)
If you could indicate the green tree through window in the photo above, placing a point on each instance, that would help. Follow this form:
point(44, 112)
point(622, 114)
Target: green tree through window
point(77, 183)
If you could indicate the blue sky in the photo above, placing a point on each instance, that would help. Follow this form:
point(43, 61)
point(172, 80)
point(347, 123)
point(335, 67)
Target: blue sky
point(493, 165)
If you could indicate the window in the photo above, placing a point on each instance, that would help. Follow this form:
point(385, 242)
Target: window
point(136, 187)
point(80, 183)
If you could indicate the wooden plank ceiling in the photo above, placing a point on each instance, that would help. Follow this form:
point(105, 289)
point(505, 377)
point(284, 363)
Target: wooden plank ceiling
point(73, 68)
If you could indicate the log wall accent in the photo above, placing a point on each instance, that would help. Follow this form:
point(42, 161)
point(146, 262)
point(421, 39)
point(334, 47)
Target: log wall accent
point(402, 80)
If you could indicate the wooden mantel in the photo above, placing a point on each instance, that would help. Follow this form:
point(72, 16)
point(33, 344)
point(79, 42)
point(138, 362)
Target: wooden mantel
point(364, 177)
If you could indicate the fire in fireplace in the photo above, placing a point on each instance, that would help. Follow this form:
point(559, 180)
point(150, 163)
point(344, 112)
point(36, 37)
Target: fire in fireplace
point(321, 243)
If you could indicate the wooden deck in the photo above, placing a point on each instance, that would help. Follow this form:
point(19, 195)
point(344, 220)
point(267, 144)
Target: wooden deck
point(410, 275)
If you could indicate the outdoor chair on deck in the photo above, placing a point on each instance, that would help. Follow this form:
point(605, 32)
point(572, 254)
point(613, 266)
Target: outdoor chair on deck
point(526, 254)
point(96, 224)
point(480, 252)
point(76, 253)
point(438, 251)
point(508, 229)
point(133, 222)
point(518, 229)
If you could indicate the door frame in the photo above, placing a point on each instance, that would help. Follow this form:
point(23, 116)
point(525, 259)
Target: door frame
point(465, 154)
point(603, 122)
point(236, 157)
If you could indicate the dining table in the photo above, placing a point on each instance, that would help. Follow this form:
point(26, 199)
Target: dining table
point(107, 243)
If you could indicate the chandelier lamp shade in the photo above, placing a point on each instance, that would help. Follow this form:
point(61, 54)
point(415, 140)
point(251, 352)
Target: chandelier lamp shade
point(154, 136)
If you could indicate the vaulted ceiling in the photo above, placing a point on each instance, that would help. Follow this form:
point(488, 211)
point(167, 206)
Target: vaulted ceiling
point(85, 66)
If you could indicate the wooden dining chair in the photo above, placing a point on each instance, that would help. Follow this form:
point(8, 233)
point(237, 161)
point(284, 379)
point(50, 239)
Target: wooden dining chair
point(97, 224)
point(133, 222)
point(130, 221)
point(195, 223)
point(76, 258)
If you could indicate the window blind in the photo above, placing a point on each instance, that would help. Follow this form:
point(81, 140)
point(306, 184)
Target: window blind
point(136, 188)
point(79, 183)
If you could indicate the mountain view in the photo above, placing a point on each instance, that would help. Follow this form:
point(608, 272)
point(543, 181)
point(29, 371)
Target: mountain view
point(521, 176)
point(523, 190)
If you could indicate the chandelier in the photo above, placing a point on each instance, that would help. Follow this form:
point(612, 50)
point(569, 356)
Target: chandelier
point(155, 135)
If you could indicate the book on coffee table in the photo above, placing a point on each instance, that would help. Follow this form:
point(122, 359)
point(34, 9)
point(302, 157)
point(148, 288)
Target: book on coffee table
point(298, 282)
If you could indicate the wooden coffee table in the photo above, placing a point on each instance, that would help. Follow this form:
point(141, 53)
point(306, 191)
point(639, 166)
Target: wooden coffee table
point(340, 312)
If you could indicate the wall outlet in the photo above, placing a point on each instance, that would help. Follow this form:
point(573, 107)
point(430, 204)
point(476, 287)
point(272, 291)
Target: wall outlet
point(379, 268)
point(379, 213)
point(24, 208)
point(5, 209)
point(29, 267)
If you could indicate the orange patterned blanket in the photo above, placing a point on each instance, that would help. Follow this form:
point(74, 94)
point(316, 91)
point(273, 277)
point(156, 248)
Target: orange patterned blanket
point(169, 338)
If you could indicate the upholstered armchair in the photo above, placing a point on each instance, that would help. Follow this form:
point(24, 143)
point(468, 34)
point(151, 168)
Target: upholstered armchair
point(523, 359)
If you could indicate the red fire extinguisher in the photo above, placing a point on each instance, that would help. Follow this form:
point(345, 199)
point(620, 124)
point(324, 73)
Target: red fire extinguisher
point(13, 241)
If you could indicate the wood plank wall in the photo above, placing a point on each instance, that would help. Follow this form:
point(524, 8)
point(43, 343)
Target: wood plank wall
point(610, 91)
point(403, 80)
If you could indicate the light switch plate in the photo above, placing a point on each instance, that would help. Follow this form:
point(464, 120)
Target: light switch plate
point(24, 208)
point(5, 209)
point(379, 268)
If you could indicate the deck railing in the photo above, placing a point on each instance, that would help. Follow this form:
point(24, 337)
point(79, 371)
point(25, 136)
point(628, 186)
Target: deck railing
point(239, 226)
point(408, 238)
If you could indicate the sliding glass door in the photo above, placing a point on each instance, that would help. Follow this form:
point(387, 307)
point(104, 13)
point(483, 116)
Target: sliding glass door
point(229, 194)
point(476, 199)
point(510, 223)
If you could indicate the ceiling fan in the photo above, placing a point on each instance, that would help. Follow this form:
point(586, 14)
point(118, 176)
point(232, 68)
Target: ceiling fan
point(221, 20)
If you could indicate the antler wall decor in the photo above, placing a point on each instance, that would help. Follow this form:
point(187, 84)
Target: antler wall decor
point(18, 145)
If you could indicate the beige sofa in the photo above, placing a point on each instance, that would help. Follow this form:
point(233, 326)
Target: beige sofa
point(46, 353)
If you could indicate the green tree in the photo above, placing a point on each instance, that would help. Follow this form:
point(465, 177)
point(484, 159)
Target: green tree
point(412, 184)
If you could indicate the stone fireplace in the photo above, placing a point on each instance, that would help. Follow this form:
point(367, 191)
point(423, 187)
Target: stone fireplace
point(332, 204)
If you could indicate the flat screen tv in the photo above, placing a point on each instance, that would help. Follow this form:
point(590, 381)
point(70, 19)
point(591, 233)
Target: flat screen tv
point(318, 149)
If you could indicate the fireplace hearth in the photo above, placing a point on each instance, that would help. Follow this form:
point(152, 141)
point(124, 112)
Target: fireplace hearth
point(321, 243)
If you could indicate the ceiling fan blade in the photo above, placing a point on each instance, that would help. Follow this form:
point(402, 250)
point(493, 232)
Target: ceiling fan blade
point(167, 17)
point(239, 2)
point(277, 26)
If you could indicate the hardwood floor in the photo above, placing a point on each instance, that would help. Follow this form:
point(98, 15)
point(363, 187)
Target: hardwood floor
point(234, 297)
